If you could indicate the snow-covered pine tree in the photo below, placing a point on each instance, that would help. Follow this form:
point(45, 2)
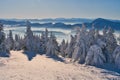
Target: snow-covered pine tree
point(10, 41)
point(29, 38)
point(21, 42)
point(79, 53)
point(4, 52)
point(111, 41)
point(46, 35)
point(95, 56)
point(17, 42)
point(42, 44)
point(62, 48)
point(43, 37)
point(37, 44)
point(52, 46)
point(111, 44)
point(91, 36)
point(43, 41)
point(70, 48)
point(80, 48)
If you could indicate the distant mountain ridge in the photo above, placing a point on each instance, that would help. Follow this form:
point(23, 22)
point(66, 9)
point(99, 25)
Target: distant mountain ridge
point(99, 23)
point(56, 20)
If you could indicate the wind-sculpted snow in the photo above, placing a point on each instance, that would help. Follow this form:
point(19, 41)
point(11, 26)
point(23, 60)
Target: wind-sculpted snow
point(17, 67)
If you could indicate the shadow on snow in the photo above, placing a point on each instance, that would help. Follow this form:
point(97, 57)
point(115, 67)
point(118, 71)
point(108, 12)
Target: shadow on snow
point(55, 57)
point(109, 68)
point(29, 55)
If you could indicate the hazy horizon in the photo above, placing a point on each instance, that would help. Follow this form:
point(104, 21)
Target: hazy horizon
point(40, 9)
point(59, 18)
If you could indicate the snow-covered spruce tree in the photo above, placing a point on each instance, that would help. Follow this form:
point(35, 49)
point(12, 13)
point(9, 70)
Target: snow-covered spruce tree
point(46, 35)
point(110, 40)
point(29, 38)
point(37, 44)
point(32, 42)
point(21, 42)
point(52, 46)
point(17, 42)
point(43, 41)
point(63, 48)
point(79, 53)
point(42, 44)
point(111, 44)
point(4, 52)
point(95, 56)
point(80, 48)
point(10, 41)
point(70, 48)
point(116, 56)
point(91, 37)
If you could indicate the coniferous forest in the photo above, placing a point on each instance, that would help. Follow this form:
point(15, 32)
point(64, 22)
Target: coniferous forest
point(86, 47)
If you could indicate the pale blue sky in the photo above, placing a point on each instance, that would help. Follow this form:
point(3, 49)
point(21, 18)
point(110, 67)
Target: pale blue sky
point(60, 8)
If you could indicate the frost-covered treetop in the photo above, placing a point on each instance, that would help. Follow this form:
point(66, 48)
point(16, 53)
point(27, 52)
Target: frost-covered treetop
point(1, 26)
point(29, 31)
point(28, 24)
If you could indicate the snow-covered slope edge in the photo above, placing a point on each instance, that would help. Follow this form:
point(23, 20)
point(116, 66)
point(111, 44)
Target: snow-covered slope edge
point(18, 67)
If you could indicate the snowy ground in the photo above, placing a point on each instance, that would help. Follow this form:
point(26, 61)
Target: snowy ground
point(18, 67)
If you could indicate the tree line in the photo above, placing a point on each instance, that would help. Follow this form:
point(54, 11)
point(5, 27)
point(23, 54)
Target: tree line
point(86, 47)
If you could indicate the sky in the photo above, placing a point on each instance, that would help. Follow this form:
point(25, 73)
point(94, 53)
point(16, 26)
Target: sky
point(39, 9)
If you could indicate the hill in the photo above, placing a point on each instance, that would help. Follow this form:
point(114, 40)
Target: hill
point(101, 23)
